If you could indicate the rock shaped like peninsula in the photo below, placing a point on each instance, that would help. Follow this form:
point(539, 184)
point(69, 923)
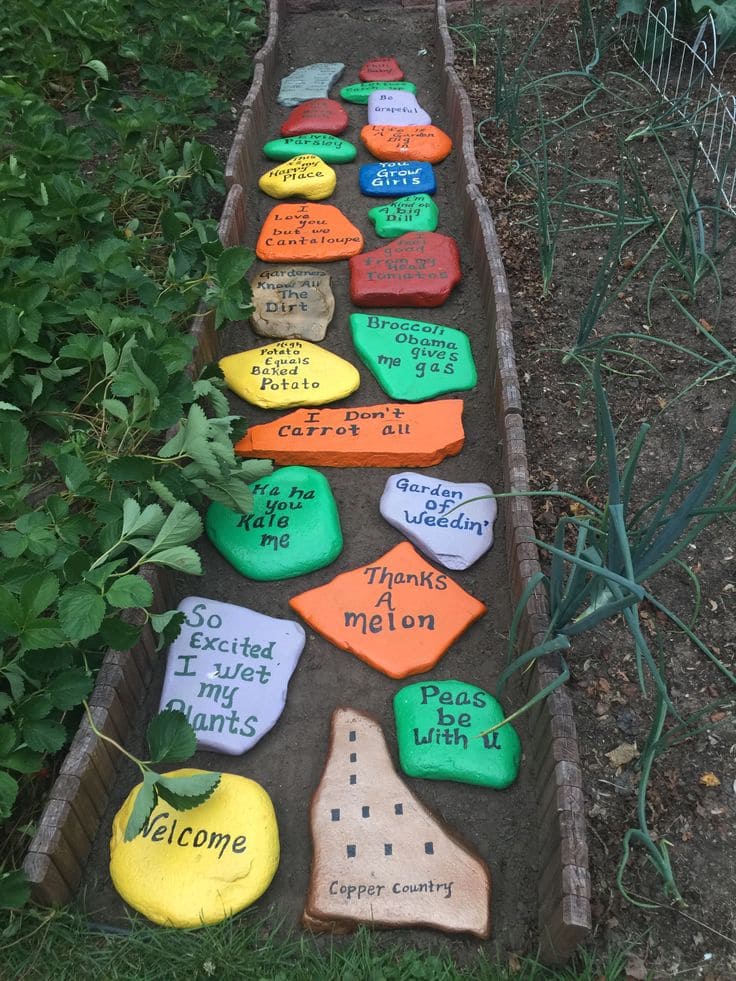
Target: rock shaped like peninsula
point(316, 116)
point(331, 149)
point(307, 233)
point(380, 857)
point(305, 176)
point(386, 180)
point(309, 82)
point(416, 270)
point(292, 301)
point(413, 213)
point(193, 868)
point(406, 142)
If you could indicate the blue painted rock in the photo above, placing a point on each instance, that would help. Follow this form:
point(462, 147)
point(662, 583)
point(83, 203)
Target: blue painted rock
point(379, 856)
point(416, 270)
point(292, 301)
point(381, 70)
point(309, 82)
point(413, 213)
point(316, 116)
point(396, 109)
point(228, 671)
point(439, 726)
point(329, 148)
point(406, 142)
point(359, 94)
point(450, 523)
point(386, 180)
point(411, 359)
point(305, 176)
point(294, 527)
point(307, 233)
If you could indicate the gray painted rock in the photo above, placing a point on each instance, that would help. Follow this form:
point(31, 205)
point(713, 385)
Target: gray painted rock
point(292, 301)
point(228, 671)
point(309, 82)
point(435, 516)
point(387, 108)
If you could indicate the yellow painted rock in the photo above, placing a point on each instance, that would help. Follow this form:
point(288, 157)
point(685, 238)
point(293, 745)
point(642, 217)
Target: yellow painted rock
point(305, 176)
point(192, 868)
point(289, 374)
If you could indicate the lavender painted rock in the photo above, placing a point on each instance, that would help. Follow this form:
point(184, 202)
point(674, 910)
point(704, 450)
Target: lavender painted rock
point(413, 213)
point(437, 516)
point(294, 527)
point(438, 727)
point(228, 671)
point(309, 82)
point(386, 108)
point(292, 301)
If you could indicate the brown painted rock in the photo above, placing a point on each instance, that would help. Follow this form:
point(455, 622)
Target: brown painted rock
point(380, 856)
point(307, 233)
point(316, 116)
point(292, 301)
point(381, 70)
point(387, 143)
point(419, 269)
point(398, 614)
point(387, 435)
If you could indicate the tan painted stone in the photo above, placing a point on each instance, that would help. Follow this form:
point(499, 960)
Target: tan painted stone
point(305, 176)
point(380, 857)
point(292, 301)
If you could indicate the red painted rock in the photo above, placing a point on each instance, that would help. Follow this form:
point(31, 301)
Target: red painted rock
point(387, 435)
point(388, 143)
point(381, 70)
point(419, 269)
point(307, 233)
point(380, 856)
point(398, 614)
point(316, 116)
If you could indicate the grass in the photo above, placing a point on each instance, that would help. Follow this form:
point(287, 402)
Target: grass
point(63, 945)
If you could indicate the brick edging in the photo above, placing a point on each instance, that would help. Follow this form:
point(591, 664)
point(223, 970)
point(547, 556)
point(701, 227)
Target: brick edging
point(564, 879)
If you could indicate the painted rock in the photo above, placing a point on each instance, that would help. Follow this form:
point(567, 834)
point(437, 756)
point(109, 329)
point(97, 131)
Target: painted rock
point(364, 436)
point(380, 856)
point(406, 142)
point(316, 116)
point(307, 233)
point(381, 70)
point(419, 269)
point(331, 149)
point(193, 868)
point(305, 176)
point(413, 213)
point(309, 82)
point(386, 180)
point(289, 373)
point(398, 614)
point(294, 527)
point(437, 516)
point(396, 109)
point(292, 301)
point(413, 360)
point(358, 94)
point(228, 671)
point(438, 727)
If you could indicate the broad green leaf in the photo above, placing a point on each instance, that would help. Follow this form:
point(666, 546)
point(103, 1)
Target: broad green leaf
point(8, 793)
point(137, 522)
point(168, 626)
point(129, 591)
point(170, 737)
point(81, 611)
point(183, 524)
point(187, 792)
point(45, 735)
point(98, 67)
point(68, 688)
point(23, 760)
point(133, 468)
point(8, 739)
point(181, 557)
point(38, 593)
point(15, 890)
point(145, 802)
point(116, 408)
point(34, 708)
point(11, 612)
point(233, 265)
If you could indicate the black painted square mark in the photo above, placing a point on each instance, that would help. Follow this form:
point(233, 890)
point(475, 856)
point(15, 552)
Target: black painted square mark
point(398, 808)
point(353, 778)
point(351, 851)
point(353, 757)
point(352, 735)
point(366, 812)
point(429, 847)
point(335, 813)
point(388, 849)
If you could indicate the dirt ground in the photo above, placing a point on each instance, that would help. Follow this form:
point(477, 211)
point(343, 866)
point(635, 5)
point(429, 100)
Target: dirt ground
point(686, 807)
point(289, 760)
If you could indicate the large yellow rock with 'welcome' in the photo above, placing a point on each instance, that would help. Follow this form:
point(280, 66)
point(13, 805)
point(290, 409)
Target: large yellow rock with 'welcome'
point(196, 867)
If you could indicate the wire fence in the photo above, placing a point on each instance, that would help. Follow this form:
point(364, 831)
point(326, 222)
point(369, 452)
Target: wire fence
point(683, 73)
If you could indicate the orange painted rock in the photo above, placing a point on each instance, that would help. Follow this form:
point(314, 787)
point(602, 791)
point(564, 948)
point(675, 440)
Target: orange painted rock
point(419, 269)
point(398, 614)
point(380, 856)
point(316, 116)
point(381, 70)
point(387, 143)
point(387, 435)
point(307, 233)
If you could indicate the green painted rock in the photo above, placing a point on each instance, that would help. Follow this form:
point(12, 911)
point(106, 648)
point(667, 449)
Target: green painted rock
point(438, 725)
point(294, 527)
point(413, 213)
point(329, 148)
point(361, 92)
point(413, 360)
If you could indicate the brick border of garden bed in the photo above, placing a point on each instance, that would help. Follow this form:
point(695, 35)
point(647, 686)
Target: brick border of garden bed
point(70, 821)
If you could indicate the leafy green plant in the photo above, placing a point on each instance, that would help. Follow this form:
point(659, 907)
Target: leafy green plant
point(691, 13)
point(473, 33)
